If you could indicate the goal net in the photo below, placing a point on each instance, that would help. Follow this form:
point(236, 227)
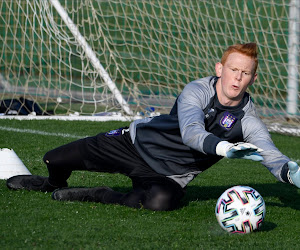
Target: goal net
point(133, 56)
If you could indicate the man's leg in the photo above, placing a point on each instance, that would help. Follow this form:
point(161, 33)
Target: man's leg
point(60, 163)
point(101, 153)
point(157, 196)
point(63, 160)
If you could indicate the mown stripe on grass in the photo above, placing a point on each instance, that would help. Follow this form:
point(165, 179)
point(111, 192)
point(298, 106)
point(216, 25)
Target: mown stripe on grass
point(38, 132)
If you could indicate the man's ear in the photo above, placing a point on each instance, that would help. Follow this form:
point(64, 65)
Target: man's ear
point(218, 69)
point(253, 79)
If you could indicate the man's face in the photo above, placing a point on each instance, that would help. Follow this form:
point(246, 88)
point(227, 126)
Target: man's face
point(236, 75)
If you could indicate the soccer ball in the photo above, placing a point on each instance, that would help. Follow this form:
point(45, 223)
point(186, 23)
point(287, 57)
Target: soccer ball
point(240, 209)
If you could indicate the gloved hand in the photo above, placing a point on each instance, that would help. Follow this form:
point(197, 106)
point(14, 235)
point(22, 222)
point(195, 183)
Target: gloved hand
point(294, 173)
point(240, 150)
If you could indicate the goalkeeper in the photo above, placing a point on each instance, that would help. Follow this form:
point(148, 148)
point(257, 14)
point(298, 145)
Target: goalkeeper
point(212, 118)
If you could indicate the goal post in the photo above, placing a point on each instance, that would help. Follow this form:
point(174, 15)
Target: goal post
point(91, 56)
point(293, 58)
point(128, 56)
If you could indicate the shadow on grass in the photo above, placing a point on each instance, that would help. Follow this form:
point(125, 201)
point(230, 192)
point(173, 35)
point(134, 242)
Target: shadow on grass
point(287, 194)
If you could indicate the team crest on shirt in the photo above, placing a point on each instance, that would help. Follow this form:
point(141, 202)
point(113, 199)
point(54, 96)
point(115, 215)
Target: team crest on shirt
point(114, 132)
point(228, 120)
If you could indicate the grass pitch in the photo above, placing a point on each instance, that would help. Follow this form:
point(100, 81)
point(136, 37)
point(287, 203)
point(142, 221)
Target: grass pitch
point(32, 220)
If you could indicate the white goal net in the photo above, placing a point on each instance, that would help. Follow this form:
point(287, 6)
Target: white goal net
point(131, 56)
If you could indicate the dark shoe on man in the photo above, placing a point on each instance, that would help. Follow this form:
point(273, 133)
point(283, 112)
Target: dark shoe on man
point(80, 194)
point(31, 182)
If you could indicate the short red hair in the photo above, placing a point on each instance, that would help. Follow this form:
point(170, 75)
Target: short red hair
point(248, 49)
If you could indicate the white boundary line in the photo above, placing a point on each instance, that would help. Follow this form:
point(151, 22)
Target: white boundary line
point(114, 117)
point(38, 132)
point(71, 118)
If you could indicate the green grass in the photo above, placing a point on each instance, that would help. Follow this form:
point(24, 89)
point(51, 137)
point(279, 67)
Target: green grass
point(32, 220)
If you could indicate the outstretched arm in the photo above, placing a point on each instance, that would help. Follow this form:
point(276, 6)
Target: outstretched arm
point(274, 160)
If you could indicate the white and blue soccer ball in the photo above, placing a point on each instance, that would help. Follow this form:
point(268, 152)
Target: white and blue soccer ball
point(240, 209)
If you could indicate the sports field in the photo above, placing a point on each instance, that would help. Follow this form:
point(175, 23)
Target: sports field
point(32, 220)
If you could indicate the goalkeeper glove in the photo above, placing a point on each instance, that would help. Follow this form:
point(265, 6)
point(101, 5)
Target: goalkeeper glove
point(294, 173)
point(239, 150)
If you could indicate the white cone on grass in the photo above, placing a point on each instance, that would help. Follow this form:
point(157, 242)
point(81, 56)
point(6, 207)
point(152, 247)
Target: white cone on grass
point(11, 164)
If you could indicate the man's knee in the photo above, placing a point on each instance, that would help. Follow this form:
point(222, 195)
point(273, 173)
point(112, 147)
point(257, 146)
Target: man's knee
point(57, 158)
point(161, 198)
point(47, 157)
